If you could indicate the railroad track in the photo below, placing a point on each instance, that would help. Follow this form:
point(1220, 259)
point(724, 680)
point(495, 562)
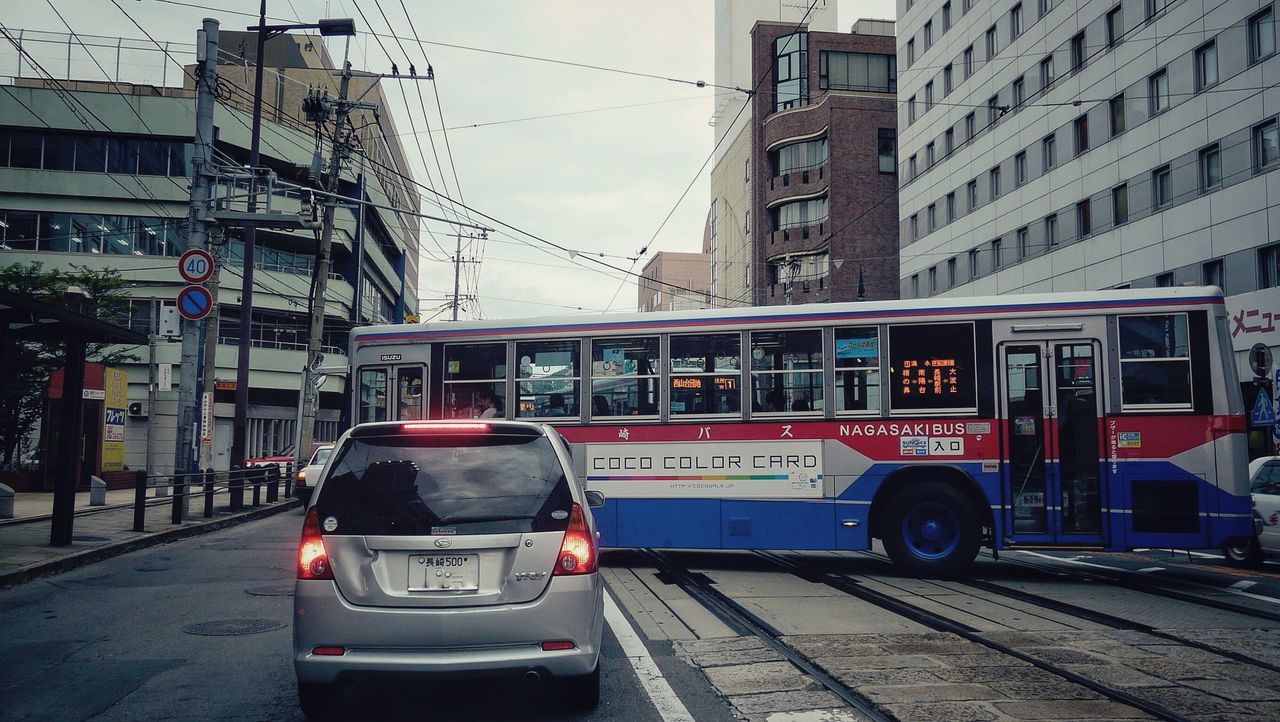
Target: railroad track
point(739, 617)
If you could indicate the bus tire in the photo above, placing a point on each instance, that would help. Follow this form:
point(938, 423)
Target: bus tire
point(1244, 553)
point(932, 530)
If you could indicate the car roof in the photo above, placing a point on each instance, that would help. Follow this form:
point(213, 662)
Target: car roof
point(1260, 462)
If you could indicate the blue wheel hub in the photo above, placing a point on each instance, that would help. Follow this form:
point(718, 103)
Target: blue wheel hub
point(930, 530)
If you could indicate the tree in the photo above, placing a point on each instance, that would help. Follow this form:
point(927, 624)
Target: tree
point(29, 365)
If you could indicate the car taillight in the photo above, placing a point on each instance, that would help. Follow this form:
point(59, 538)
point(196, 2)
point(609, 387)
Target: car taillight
point(445, 426)
point(578, 550)
point(313, 560)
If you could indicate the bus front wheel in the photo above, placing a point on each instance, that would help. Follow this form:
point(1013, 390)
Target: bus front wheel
point(932, 530)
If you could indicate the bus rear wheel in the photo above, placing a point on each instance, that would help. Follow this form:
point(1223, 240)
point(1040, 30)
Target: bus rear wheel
point(932, 530)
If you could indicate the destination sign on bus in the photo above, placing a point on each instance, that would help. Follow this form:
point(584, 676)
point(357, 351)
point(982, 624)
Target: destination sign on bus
point(721, 383)
point(930, 377)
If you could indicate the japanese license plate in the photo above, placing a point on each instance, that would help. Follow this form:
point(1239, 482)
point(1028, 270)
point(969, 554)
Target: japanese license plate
point(444, 572)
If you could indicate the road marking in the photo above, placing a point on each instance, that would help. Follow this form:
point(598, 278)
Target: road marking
point(1250, 595)
point(1148, 570)
point(655, 685)
point(1242, 584)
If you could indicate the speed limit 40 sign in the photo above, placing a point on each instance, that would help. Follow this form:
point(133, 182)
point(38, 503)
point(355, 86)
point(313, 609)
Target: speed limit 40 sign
point(196, 265)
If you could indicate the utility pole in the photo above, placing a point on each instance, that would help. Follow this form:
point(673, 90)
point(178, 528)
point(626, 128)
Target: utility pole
point(154, 381)
point(239, 429)
point(210, 364)
point(457, 268)
point(341, 151)
point(198, 236)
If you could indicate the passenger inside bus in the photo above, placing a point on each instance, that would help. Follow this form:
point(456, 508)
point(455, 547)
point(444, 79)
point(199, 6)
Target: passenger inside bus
point(555, 405)
point(485, 407)
point(600, 406)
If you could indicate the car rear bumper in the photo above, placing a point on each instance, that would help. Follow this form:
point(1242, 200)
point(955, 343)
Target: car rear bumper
point(461, 641)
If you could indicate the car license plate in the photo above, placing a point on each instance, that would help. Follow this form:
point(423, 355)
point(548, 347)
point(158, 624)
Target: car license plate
point(444, 572)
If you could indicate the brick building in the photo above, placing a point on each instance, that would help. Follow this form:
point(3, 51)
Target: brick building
point(823, 221)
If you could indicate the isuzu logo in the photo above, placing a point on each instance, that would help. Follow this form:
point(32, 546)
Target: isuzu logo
point(444, 542)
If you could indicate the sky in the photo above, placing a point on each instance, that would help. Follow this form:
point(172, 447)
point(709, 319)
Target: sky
point(601, 177)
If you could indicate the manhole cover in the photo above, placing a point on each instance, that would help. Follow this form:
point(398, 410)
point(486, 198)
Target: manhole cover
point(284, 590)
point(88, 538)
point(233, 627)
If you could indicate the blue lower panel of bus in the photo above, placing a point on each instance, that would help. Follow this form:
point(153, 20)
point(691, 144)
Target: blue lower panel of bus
point(731, 524)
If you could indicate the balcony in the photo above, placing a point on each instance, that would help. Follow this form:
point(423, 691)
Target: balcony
point(798, 182)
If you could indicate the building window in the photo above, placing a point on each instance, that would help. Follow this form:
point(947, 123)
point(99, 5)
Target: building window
point(993, 45)
point(1161, 187)
point(911, 51)
point(1115, 26)
point(746, 223)
point(949, 141)
point(993, 109)
point(994, 178)
point(911, 109)
point(966, 6)
point(1081, 132)
point(798, 214)
point(1154, 6)
point(1051, 230)
point(1020, 168)
point(794, 157)
point(1024, 243)
point(1262, 35)
point(997, 260)
point(1049, 149)
point(1269, 267)
point(1046, 72)
point(973, 263)
point(1210, 168)
point(951, 273)
point(1117, 115)
point(857, 71)
point(967, 59)
point(1084, 217)
point(971, 190)
point(970, 126)
point(928, 96)
point(1211, 274)
point(1044, 7)
point(915, 227)
point(1077, 52)
point(1019, 91)
point(951, 206)
point(1164, 280)
point(1207, 65)
point(911, 167)
point(1120, 204)
point(932, 214)
point(791, 71)
point(887, 146)
point(1158, 89)
point(946, 16)
point(746, 170)
point(1266, 145)
point(946, 80)
point(1015, 22)
point(928, 35)
point(915, 285)
point(933, 280)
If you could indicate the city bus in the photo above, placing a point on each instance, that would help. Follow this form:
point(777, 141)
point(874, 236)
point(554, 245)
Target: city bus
point(1106, 420)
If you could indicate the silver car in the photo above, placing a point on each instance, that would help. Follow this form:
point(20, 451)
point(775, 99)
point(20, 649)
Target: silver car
point(448, 549)
point(1264, 484)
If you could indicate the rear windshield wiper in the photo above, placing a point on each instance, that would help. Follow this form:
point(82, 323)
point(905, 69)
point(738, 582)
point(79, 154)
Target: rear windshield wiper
point(478, 519)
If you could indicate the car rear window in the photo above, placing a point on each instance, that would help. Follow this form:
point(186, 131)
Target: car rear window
point(412, 485)
point(322, 455)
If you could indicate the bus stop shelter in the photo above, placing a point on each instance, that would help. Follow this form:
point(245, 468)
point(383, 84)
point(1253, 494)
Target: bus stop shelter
point(28, 319)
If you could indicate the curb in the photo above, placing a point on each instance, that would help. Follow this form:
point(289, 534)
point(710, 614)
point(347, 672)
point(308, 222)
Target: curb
point(91, 556)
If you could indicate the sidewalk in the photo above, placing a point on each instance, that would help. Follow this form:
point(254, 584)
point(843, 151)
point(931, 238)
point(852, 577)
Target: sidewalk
point(102, 532)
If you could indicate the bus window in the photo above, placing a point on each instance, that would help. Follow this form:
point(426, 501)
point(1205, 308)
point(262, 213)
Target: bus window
point(373, 394)
point(547, 380)
point(475, 380)
point(857, 370)
point(706, 372)
point(932, 367)
point(786, 371)
point(409, 397)
point(1155, 362)
point(624, 377)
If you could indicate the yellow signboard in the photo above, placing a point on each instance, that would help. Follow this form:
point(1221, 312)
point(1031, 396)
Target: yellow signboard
point(115, 401)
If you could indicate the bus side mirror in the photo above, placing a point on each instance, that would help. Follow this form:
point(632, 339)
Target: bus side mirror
point(595, 499)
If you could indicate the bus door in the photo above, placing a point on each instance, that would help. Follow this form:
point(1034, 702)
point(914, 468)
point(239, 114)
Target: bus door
point(1053, 470)
point(391, 391)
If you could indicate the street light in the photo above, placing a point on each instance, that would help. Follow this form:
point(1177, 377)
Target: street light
point(328, 27)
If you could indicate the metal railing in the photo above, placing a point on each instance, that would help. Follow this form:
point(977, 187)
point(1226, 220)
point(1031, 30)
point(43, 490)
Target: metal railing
point(258, 482)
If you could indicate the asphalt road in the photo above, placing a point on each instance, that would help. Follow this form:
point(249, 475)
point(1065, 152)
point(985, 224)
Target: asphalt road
point(200, 629)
